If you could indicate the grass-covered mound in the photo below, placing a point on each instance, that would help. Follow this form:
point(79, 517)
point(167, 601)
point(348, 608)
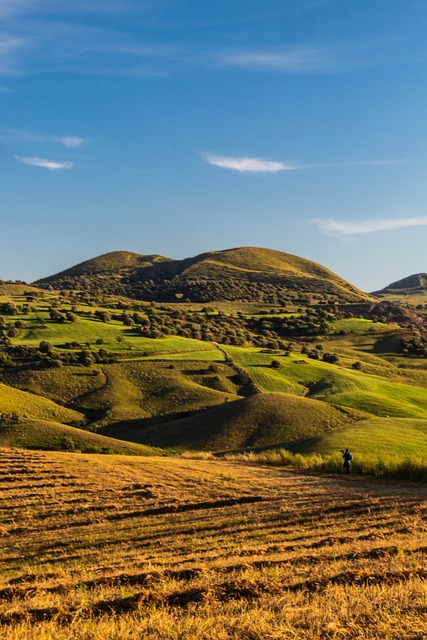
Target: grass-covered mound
point(52, 436)
point(28, 405)
point(401, 437)
point(258, 420)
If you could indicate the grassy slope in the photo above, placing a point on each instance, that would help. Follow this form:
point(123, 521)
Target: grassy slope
point(141, 389)
point(114, 261)
point(258, 420)
point(53, 436)
point(62, 385)
point(89, 330)
point(374, 437)
point(333, 384)
point(28, 405)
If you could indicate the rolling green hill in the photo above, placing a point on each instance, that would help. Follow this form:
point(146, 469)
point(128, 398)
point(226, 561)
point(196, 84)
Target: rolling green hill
point(114, 262)
point(29, 405)
point(369, 393)
point(376, 437)
point(284, 352)
point(262, 419)
point(122, 391)
point(244, 273)
point(52, 436)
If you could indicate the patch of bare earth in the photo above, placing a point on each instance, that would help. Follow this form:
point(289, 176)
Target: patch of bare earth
point(119, 547)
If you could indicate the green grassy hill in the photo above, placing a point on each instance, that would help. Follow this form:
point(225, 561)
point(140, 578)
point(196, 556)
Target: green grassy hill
point(376, 437)
point(85, 359)
point(28, 405)
point(53, 436)
point(262, 419)
point(369, 393)
point(122, 391)
point(114, 262)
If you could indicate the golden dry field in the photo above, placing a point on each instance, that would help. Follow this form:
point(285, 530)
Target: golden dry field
point(104, 547)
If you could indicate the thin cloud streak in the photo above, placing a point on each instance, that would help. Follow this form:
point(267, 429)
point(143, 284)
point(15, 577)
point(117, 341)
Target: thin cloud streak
point(52, 165)
point(247, 165)
point(297, 60)
point(21, 136)
point(339, 228)
point(260, 165)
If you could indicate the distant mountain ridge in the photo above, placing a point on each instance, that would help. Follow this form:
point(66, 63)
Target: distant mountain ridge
point(242, 273)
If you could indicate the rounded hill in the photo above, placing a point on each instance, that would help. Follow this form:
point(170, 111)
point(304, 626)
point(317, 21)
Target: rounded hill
point(114, 262)
point(258, 420)
point(239, 274)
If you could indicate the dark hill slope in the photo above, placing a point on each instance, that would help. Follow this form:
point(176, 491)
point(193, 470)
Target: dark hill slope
point(258, 420)
point(244, 274)
point(414, 284)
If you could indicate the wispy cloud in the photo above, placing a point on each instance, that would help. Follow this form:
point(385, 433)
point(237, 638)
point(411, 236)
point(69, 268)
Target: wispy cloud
point(21, 136)
point(260, 165)
point(317, 57)
point(294, 60)
point(11, 45)
point(339, 228)
point(52, 165)
point(247, 165)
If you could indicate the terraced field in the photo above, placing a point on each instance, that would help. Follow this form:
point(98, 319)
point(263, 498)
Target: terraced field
point(118, 547)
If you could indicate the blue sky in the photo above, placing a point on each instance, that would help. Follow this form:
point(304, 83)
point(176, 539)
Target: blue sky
point(183, 126)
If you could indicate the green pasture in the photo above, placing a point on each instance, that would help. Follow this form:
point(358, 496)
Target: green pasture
point(60, 384)
point(114, 335)
point(378, 437)
point(331, 383)
point(28, 405)
point(53, 436)
point(355, 325)
point(137, 389)
point(207, 355)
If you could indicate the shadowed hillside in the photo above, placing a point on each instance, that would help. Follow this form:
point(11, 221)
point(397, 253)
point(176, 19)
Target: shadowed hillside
point(258, 420)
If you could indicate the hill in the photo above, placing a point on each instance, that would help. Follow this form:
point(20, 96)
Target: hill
point(114, 262)
point(262, 419)
point(411, 289)
point(244, 273)
point(29, 405)
point(53, 436)
point(381, 437)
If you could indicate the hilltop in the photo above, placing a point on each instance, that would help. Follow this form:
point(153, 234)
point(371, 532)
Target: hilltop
point(412, 289)
point(243, 273)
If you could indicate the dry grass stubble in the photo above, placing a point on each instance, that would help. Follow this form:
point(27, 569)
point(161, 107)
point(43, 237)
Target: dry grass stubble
point(118, 547)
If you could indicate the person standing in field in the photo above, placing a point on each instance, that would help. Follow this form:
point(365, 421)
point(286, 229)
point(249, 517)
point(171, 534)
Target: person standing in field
point(347, 458)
